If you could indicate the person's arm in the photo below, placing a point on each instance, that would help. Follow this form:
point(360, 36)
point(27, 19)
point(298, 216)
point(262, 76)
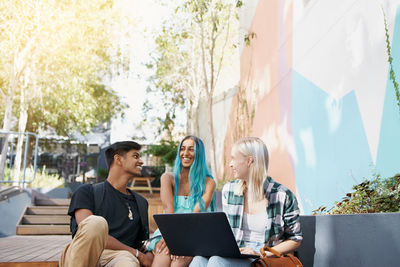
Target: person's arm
point(285, 247)
point(113, 243)
point(167, 192)
point(167, 199)
point(293, 234)
point(224, 198)
point(207, 195)
point(81, 214)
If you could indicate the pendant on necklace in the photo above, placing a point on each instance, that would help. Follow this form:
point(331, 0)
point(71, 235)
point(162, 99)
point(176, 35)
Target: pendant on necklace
point(130, 214)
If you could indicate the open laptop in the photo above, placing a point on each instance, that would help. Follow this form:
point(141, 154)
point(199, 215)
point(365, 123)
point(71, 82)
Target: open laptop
point(199, 234)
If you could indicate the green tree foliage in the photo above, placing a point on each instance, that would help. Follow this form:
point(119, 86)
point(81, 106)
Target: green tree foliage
point(166, 150)
point(376, 195)
point(78, 113)
point(176, 71)
point(60, 51)
point(194, 47)
point(54, 57)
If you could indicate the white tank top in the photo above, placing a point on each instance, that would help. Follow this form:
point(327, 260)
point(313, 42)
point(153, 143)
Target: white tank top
point(254, 227)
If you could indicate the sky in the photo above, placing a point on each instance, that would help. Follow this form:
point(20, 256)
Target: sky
point(148, 16)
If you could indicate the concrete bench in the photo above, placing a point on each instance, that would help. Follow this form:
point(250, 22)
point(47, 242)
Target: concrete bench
point(357, 240)
point(366, 240)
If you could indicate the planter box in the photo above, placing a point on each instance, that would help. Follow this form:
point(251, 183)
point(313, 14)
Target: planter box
point(365, 240)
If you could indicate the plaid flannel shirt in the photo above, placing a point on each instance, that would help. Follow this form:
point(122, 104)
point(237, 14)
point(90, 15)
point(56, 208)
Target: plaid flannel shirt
point(283, 221)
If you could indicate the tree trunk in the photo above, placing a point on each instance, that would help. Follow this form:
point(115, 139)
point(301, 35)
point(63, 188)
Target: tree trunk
point(23, 117)
point(6, 127)
point(3, 157)
point(17, 68)
point(196, 116)
point(192, 116)
point(189, 114)
point(209, 90)
point(214, 157)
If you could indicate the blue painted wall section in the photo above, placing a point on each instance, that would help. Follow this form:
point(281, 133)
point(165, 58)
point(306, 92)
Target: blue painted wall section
point(388, 157)
point(332, 152)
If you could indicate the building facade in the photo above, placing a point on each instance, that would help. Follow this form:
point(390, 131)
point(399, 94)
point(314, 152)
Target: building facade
point(315, 87)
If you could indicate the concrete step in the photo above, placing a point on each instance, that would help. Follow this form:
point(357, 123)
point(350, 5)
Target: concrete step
point(45, 219)
point(52, 202)
point(41, 229)
point(30, 264)
point(47, 210)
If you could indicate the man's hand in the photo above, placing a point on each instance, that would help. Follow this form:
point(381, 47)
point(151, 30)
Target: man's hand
point(249, 251)
point(161, 247)
point(145, 259)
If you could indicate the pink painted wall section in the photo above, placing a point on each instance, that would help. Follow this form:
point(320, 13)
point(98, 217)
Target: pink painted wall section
point(262, 107)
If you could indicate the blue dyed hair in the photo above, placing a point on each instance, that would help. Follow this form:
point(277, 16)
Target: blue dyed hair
point(198, 173)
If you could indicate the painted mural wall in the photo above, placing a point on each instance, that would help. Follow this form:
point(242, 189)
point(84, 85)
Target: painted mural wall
point(314, 86)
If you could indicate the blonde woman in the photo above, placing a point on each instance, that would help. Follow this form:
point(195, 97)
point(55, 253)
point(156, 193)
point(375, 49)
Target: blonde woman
point(260, 210)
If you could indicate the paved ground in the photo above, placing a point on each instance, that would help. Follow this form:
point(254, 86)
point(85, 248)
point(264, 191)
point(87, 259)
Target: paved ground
point(43, 248)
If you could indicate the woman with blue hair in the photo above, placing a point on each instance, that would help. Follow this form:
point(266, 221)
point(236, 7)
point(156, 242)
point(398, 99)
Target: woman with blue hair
point(190, 188)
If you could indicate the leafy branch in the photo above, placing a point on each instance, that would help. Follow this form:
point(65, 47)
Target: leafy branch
point(376, 195)
point(249, 37)
point(390, 59)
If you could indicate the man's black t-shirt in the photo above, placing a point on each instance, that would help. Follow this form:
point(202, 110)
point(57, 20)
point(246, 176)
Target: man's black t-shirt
point(120, 211)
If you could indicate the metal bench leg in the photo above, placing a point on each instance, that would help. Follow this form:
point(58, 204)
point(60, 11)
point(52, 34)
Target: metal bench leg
point(149, 185)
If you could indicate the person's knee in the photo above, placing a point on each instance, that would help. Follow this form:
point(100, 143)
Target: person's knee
point(183, 261)
point(94, 226)
point(126, 254)
point(199, 261)
point(215, 261)
point(125, 259)
point(126, 263)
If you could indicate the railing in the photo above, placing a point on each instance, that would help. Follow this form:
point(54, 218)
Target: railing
point(6, 193)
point(17, 179)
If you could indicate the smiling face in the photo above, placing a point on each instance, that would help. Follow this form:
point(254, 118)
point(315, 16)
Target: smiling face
point(186, 153)
point(132, 163)
point(240, 165)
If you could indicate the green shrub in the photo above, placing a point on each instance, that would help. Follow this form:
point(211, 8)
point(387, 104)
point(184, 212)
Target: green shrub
point(102, 174)
point(370, 196)
point(166, 150)
point(42, 178)
point(45, 180)
point(8, 174)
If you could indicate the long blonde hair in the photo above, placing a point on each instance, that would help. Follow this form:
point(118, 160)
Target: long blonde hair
point(253, 147)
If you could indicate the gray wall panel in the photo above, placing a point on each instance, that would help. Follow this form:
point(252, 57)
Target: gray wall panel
point(351, 240)
point(10, 212)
